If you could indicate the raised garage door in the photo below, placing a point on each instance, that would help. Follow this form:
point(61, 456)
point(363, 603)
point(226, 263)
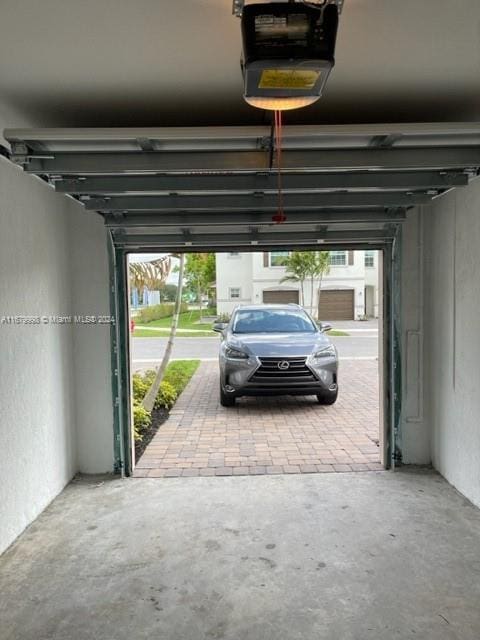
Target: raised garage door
point(336, 305)
point(280, 297)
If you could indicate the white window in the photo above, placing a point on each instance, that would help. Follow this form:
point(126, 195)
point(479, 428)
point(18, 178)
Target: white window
point(278, 258)
point(338, 258)
point(235, 293)
point(369, 258)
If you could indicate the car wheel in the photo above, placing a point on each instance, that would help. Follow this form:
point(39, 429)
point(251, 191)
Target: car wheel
point(226, 400)
point(328, 397)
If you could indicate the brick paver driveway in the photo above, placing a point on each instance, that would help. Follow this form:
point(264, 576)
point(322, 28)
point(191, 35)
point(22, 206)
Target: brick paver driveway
point(268, 435)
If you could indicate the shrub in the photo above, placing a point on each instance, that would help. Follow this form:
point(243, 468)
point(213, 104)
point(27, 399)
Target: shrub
point(141, 421)
point(157, 312)
point(168, 392)
point(140, 387)
point(176, 378)
point(166, 396)
point(179, 372)
point(149, 377)
point(224, 317)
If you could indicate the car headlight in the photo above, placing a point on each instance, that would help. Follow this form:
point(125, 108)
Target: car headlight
point(326, 352)
point(235, 354)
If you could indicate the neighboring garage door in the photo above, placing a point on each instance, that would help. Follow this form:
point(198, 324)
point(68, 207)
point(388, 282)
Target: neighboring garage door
point(336, 305)
point(280, 297)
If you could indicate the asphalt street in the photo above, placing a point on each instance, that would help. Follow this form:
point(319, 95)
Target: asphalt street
point(147, 352)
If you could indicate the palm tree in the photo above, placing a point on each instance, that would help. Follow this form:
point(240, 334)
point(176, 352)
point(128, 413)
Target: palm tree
point(298, 265)
point(150, 396)
point(322, 269)
point(151, 275)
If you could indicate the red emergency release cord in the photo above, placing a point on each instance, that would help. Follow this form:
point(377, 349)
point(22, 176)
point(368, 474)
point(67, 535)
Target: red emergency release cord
point(279, 217)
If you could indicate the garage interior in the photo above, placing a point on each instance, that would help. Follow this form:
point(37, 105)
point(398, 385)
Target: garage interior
point(132, 138)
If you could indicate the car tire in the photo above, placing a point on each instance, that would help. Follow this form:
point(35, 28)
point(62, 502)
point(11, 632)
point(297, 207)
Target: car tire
point(226, 400)
point(328, 397)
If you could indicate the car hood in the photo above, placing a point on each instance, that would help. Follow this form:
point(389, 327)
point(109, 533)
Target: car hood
point(279, 344)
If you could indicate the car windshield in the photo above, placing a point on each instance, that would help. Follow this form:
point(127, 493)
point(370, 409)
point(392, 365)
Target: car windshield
point(272, 321)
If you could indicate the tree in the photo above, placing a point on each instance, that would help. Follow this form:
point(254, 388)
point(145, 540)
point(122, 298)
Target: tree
point(200, 274)
point(298, 266)
point(323, 269)
point(150, 396)
point(169, 293)
point(151, 275)
point(307, 265)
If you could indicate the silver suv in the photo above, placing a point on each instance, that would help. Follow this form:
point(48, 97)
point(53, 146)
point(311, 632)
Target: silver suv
point(273, 349)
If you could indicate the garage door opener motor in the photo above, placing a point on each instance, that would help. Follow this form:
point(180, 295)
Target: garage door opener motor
point(288, 51)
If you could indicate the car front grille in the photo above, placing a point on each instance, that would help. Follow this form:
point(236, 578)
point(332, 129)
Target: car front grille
point(273, 370)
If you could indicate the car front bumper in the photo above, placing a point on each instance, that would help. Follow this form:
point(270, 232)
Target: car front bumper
point(259, 376)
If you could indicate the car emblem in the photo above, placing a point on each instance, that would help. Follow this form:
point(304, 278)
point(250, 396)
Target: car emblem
point(283, 365)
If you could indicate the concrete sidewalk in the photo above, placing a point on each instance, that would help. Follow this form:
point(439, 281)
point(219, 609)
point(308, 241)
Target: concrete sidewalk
point(356, 326)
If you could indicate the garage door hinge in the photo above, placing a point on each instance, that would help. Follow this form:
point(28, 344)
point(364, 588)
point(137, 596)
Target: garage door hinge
point(117, 401)
point(118, 466)
point(264, 143)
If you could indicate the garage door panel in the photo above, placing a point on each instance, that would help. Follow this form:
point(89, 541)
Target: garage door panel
point(280, 297)
point(336, 305)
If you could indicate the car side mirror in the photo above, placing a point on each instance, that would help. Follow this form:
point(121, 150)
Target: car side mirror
point(219, 327)
point(324, 327)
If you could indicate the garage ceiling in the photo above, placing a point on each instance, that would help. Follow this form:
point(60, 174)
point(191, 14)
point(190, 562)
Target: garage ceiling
point(176, 63)
point(204, 188)
point(189, 185)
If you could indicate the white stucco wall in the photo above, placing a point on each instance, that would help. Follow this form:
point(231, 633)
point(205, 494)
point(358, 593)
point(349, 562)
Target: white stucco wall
point(91, 343)
point(55, 387)
point(233, 271)
point(248, 272)
point(415, 434)
point(452, 350)
point(37, 408)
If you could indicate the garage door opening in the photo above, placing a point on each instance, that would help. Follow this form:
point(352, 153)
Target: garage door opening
point(260, 434)
point(346, 188)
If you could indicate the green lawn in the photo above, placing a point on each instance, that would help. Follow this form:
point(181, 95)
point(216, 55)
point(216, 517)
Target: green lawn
point(188, 320)
point(151, 333)
point(179, 372)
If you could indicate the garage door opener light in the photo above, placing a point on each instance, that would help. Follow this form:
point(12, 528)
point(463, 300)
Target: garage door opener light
point(288, 51)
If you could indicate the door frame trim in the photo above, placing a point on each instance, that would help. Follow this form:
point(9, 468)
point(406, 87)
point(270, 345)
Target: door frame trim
point(390, 360)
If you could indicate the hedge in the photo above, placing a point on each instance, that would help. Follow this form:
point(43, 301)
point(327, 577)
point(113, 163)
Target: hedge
point(158, 311)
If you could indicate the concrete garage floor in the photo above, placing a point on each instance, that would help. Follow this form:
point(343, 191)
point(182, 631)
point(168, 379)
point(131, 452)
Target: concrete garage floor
point(268, 435)
point(328, 556)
